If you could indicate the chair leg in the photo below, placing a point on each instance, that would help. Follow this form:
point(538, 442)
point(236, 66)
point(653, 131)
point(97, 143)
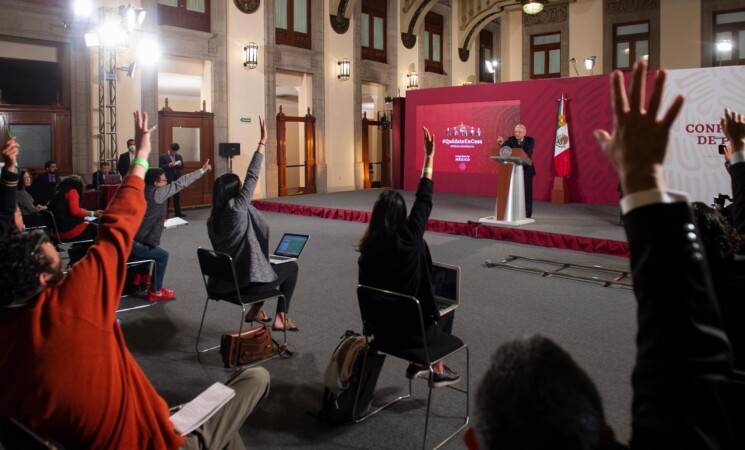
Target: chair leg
point(429, 403)
point(199, 334)
point(236, 365)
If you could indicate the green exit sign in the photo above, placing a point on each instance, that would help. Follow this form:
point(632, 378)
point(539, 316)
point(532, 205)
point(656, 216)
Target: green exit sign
point(246, 119)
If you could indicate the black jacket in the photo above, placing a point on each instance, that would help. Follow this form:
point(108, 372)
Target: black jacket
point(681, 377)
point(527, 145)
point(404, 264)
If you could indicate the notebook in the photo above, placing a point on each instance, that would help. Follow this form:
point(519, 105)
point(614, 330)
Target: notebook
point(289, 248)
point(446, 286)
point(112, 178)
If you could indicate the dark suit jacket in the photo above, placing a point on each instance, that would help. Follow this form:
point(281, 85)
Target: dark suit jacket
point(172, 173)
point(98, 179)
point(527, 146)
point(123, 165)
point(43, 189)
point(680, 379)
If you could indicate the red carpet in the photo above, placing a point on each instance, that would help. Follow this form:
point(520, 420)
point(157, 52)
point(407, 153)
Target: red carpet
point(519, 235)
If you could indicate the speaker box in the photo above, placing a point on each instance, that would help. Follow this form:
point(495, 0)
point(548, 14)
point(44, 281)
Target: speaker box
point(229, 149)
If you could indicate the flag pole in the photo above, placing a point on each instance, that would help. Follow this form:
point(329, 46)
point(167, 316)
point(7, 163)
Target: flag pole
point(559, 192)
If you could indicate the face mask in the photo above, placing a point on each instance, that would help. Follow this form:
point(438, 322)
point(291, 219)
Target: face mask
point(131, 148)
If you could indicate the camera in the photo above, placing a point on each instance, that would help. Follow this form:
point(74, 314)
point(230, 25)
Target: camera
point(720, 199)
point(722, 148)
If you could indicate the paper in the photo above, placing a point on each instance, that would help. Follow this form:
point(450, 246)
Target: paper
point(174, 222)
point(198, 411)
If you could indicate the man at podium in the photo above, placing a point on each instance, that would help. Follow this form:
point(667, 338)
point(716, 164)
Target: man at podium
point(519, 140)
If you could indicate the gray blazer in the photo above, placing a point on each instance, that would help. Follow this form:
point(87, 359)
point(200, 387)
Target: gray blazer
point(244, 235)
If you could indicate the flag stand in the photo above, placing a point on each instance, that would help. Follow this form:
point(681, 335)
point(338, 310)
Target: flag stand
point(559, 193)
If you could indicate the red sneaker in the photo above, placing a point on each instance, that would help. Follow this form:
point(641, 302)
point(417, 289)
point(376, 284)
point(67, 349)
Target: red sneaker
point(163, 294)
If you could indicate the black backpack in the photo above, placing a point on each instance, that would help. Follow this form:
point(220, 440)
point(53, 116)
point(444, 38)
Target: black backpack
point(343, 375)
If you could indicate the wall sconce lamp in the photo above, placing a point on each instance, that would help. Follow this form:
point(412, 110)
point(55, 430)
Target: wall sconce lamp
point(532, 6)
point(413, 80)
point(252, 55)
point(344, 69)
point(590, 63)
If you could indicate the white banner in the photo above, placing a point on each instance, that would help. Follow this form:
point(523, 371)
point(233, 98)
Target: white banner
point(693, 163)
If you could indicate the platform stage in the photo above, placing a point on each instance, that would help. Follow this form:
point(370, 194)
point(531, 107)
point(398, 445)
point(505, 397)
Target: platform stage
point(581, 227)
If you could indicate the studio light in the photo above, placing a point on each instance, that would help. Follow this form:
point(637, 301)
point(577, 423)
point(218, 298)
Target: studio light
point(82, 8)
point(130, 69)
point(133, 17)
point(344, 69)
point(573, 60)
point(91, 39)
point(252, 55)
point(111, 34)
point(148, 51)
point(590, 63)
point(532, 6)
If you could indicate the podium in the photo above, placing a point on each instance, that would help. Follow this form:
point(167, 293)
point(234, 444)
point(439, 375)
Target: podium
point(510, 203)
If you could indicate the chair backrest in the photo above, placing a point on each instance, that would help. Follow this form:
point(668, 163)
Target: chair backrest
point(216, 265)
point(387, 316)
point(50, 222)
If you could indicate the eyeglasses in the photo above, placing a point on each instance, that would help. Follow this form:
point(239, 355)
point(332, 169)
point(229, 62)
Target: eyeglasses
point(41, 239)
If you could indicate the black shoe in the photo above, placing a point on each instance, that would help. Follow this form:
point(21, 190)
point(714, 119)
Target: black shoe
point(180, 215)
point(416, 370)
point(446, 378)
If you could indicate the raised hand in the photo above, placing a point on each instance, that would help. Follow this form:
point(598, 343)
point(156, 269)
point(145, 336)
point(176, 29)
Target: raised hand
point(262, 124)
point(639, 140)
point(429, 142)
point(142, 135)
point(207, 167)
point(733, 124)
point(10, 154)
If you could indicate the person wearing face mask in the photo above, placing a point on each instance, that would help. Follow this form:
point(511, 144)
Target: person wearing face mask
point(125, 159)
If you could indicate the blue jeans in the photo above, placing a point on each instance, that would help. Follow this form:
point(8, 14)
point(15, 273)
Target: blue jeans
point(160, 256)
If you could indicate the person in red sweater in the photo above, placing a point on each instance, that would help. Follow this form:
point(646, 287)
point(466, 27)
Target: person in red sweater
point(69, 216)
point(65, 371)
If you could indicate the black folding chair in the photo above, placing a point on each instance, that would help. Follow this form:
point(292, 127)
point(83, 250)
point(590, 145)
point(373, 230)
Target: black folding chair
point(220, 266)
point(63, 246)
point(385, 316)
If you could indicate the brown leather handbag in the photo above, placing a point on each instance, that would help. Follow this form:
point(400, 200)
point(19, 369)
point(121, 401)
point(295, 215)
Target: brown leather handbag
point(255, 343)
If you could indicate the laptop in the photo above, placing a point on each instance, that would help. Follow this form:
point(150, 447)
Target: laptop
point(446, 286)
point(289, 248)
point(112, 179)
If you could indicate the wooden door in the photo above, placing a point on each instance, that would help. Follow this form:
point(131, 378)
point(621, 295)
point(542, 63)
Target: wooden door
point(194, 132)
point(383, 128)
point(309, 147)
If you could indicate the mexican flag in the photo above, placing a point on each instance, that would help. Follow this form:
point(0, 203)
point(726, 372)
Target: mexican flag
point(561, 145)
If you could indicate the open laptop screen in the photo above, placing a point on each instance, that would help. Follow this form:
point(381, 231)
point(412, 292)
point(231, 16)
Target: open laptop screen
point(291, 245)
point(446, 282)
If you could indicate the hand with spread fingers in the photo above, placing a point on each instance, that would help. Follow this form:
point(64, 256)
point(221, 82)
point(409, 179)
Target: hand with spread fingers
point(429, 144)
point(639, 140)
point(10, 154)
point(733, 125)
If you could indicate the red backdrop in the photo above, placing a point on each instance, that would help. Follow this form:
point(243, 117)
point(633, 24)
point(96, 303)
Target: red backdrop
point(592, 179)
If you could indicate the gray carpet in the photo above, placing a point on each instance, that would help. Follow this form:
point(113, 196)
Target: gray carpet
point(596, 324)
